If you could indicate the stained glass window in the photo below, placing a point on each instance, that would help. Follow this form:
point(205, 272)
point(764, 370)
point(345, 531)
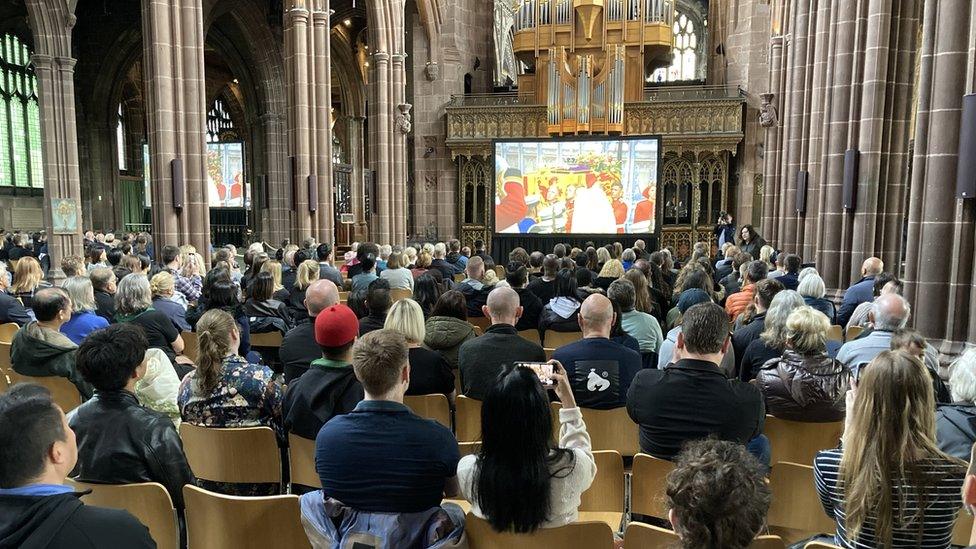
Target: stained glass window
point(685, 61)
point(220, 126)
point(21, 164)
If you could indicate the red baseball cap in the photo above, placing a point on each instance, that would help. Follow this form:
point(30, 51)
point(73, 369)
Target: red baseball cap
point(336, 326)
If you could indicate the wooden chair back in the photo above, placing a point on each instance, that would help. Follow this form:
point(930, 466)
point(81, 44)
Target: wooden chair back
point(469, 448)
point(216, 521)
point(853, 332)
point(467, 419)
point(243, 455)
point(4, 382)
point(836, 333)
point(434, 407)
point(592, 535)
point(963, 529)
point(612, 430)
point(482, 322)
point(7, 332)
point(607, 491)
point(645, 536)
point(63, 392)
point(820, 545)
point(768, 542)
point(5, 362)
point(148, 501)
point(531, 335)
point(191, 346)
point(647, 486)
point(799, 442)
point(301, 461)
point(343, 297)
point(555, 340)
point(795, 505)
point(268, 339)
point(397, 294)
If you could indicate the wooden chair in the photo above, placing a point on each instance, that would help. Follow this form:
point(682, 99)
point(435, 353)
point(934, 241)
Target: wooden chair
point(63, 392)
point(149, 502)
point(301, 461)
point(268, 339)
point(469, 448)
point(768, 542)
point(820, 545)
point(467, 419)
point(555, 340)
point(612, 430)
point(795, 512)
point(7, 332)
point(963, 529)
point(4, 382)
point(434, 407)
point(191, 346)
point(531, 335)
point(243, 455)
point(549, 353)
point(216, 521)
point(459, 277)
point(397, 294)
point(799, 442)
point(647, 486)
point(5, 362)
point(853, 332)
point(645, 536)
point(604, 500)
point(836, 333)
point(592, 535)
point(482, 322)
point(478, 331)
point(343, 297)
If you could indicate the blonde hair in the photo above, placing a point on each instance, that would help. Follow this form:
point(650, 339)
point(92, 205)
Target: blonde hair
point(888, 447)
point(602, 255)
point(308, 272)
point(81, 293)
point(395, 261)
point(766, 256)
point(274, 268)
point(423, 260)
point(192, 258)
point(806, 330)
point(774, 327)
point(162, 284)
point(411, 254)
point(407, 318)
point(213, 344)
point(612, 269)
point(27, 275)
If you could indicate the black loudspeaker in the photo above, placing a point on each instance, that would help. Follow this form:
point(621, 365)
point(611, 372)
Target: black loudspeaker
point(265, 192)
point(852, 158)
point(966, 167)
point(801, 191)
point(179, 186)
point(292, 180)
point(313, 193)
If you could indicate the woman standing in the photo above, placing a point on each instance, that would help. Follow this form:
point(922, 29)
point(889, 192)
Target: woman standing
point(750, 242)
point(889, 485)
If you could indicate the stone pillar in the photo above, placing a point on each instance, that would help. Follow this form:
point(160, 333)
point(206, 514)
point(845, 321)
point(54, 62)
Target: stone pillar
point(173, 39)
point(358, 160)
point(403, 125)
point(322, 108)
point(381, 139)
point(940, 260)
point(54, 68)
point(297, 80)
point(277, 215)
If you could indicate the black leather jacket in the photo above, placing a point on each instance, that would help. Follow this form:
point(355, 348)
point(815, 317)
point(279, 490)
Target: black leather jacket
point(120, 442)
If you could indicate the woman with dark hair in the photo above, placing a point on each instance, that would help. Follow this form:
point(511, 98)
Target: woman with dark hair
point(367, 273)
point(617, 333)
point(584, 283)
point(519, 481)
point(97, 257)
point(266, 313)
point(592, 263)
point(426, 292)
point(561, 314)
point(448, 327)
point(223, 294)
point(750, 242)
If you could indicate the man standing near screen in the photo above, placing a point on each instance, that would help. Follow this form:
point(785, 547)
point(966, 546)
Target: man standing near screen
point(596, 215)
point(510, 208)
point(619, 208)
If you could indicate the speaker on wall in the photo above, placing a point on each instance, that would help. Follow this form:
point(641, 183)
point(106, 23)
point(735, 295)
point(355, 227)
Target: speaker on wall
point(292, 180)
point(313, 193)
point(801, 191)
point(966, 168)
point(179, 186)
point(852, 159)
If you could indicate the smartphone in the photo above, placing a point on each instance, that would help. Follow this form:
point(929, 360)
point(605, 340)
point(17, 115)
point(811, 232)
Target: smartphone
point(541, 369)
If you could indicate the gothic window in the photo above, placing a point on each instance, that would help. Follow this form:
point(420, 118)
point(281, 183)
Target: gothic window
point(684, 65)
point(120, 140)
point(220, 126)
point(20, 117)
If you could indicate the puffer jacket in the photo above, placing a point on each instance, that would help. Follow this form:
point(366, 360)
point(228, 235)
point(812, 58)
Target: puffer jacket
point(42, 352)
point(804, 387)
point(445, 334)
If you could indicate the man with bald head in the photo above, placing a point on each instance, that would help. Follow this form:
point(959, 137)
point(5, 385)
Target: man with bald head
point(860, 291)
point(474, 289)
point(481, 359)
point(599, 370)
point(298, 348)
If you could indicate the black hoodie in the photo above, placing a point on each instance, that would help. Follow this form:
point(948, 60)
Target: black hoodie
point(63, 521)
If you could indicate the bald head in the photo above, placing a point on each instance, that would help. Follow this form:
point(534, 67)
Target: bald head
point(596, 316)
point(891, 312)
point(872, 266)
point(320, 295)
point(503, 306)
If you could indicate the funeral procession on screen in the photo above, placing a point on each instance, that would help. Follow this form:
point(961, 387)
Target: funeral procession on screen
point(576, 187)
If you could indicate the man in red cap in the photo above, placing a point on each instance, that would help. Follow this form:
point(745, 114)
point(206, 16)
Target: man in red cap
point(329, 387)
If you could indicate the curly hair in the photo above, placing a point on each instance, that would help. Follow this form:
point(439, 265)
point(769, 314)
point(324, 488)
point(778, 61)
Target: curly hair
point(718, 495)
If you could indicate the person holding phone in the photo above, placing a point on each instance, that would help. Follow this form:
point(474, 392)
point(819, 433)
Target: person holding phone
point(519, 481)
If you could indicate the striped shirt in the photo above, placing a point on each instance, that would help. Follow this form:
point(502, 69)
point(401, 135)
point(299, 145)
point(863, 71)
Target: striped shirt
point(943, 504)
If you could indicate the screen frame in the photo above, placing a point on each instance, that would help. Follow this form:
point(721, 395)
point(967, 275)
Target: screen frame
point(578, 138)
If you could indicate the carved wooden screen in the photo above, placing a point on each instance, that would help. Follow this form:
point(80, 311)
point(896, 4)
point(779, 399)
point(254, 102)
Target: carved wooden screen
point(695, 191)
point(474, 186)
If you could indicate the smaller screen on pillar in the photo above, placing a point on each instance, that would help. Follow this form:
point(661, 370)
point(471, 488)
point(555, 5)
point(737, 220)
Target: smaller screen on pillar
point(577, 186)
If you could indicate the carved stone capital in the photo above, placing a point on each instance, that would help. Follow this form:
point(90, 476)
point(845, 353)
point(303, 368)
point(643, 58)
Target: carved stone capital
point(432, 71)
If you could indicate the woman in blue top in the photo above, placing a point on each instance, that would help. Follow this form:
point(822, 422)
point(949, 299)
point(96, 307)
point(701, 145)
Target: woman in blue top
point(368, 274)
point(83, 318)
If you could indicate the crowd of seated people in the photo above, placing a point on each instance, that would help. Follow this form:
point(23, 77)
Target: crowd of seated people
point(697, 353)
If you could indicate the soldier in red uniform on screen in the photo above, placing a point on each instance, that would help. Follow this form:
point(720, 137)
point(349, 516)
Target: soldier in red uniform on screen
point(619, 208)
point(644, 212)
point(511, 207)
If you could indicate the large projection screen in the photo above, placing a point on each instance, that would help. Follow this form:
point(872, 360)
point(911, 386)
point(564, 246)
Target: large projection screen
point(577, 186)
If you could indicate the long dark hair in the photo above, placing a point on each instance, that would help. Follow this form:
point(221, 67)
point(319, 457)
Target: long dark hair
point(566, 284)
point(426, 292)
point(517, 459)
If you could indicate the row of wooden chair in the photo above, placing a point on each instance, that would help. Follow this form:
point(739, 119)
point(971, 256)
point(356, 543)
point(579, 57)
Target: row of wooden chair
point(837, 333)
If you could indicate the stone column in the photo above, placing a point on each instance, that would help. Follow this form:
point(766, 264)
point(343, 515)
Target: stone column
point(322, 108)
point(273, 127)
point(381, 140)
point(297, 80)
point(173, 39)
point(403, 127)
point(357, 189)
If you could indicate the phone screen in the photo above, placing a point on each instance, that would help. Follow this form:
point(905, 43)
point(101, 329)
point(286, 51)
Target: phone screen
point(541, 369)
